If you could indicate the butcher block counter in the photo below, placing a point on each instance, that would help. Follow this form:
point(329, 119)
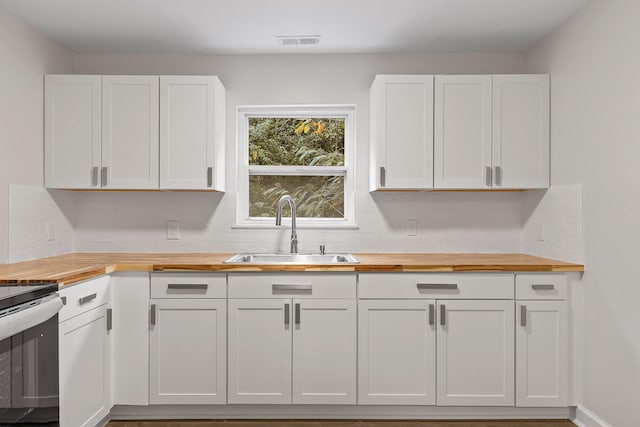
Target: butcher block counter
point(70, 268)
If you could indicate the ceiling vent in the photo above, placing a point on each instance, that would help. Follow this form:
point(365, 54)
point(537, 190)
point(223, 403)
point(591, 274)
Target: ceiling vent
point(293, 41)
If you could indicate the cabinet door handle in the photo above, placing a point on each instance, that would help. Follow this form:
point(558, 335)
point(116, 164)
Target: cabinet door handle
point(383, 176)
point(297, 314)
point(109, 319)
point(188, 286)
point(87, 298)
point(488, 176)
point(104, 176)
point(498, 175)
point(94, 176)
point(443, 312)
point(432, 314)
point(436, 286)
point(64, 300)
point(523, 315)
point(291, 287)
point(286, 314)
point(152, 314)
point(542, 287)
point(209, 176)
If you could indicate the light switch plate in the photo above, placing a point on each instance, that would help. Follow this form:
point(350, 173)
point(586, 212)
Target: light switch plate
point(51, 232)
point(173, 230)
point(540, 232)
point(412, 227)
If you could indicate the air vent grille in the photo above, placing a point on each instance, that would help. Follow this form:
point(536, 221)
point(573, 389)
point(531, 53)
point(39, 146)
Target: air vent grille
point(293, 41)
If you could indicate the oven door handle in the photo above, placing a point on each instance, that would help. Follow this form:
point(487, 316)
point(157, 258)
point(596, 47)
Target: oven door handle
point(29, 316)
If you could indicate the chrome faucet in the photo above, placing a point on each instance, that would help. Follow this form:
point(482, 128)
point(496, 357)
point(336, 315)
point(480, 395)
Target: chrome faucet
point(292, 205)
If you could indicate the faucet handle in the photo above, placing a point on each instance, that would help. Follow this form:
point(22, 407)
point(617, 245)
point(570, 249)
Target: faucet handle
point(321, 249)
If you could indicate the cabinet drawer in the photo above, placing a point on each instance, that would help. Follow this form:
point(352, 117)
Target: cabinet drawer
point(188, 285)
point(541, 286)
point(435, 286)
point(84, 296)
point(300, 285)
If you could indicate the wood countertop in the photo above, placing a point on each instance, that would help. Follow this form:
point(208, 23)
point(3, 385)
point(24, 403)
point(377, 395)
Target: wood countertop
point(70, 268)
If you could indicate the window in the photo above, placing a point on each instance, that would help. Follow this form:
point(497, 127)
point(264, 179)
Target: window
point(304, 151)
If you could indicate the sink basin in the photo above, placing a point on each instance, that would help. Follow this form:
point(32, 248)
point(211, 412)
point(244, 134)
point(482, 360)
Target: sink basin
point(292, 259)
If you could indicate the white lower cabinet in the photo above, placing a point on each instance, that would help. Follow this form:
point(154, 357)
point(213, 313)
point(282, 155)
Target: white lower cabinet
point(84, 369)
point(187, 342)
point(397, 349)
point(475, 360)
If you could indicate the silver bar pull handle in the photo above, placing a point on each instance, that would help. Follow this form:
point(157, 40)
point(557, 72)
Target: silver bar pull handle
point(498, 175)
point(109, 319)
point(297, 314)
point(104, 176)
point(209, 176)
point(286, 314)
point(488, 176)
point(443, 315)
point(64, 300)
point(87, 298)
point(523, 315)
point(188, 286)
point(383, 176)
point(94, 176)
point(436, 286)
point(542, 287)
point(152, 314)
point(291, 287)
point(432, 314)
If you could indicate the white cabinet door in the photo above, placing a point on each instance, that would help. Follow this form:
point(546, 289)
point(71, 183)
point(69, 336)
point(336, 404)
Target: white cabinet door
point(84, 369)
point(130, 144)
point(541, 353)
point(72, 136)
point(462, 132)
point(324, 351)
point(521, 131)
point(187, 344)
point(396, 352)
point(192, 133)
point(260, 351)
point(402, 132)
point(475, 346)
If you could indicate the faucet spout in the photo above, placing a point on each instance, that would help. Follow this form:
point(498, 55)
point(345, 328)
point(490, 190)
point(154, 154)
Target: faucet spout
point(292, 205)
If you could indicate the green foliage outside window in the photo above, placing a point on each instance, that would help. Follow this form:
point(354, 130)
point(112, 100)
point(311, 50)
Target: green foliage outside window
point(297, 142)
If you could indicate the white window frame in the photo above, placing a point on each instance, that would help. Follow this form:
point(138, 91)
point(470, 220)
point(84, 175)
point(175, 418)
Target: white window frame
point(346, 112)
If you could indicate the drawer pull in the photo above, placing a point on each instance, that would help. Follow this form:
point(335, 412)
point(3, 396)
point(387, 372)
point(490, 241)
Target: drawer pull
point(523, 315)
point(286, 314)
point(443, 313)
point(87, 299)
point(543, 287)
point(297, 314)
point(64, 300)
point(291, 287)
point(152, 314)
point(188, 286)
point(437, 286)
point(432, 314)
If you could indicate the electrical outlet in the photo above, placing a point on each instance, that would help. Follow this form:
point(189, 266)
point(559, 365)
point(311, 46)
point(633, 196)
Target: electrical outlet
point(173, 230)
point(540, 232)
point(51, 232)
point(412, 227)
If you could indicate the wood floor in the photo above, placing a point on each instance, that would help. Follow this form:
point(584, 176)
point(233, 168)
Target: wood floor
point(344, 423)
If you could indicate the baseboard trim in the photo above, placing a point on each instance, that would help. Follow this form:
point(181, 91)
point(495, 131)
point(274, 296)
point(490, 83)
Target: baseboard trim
point(586, 418)
point(121, 412)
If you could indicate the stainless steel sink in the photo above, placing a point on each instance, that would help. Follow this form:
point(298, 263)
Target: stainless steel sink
point(292, 259)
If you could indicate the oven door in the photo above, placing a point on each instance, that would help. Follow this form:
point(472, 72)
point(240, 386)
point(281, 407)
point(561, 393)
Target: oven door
point(29, 365)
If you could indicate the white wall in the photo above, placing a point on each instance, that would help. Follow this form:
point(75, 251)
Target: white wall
point(25, 56)
point(595, 67)
point(453, 222)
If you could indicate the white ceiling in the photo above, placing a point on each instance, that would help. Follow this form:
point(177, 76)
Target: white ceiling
point(251, 26)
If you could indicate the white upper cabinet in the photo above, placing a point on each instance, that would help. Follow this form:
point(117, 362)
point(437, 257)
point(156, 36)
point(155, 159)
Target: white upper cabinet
point(72, 139)
point(134, 132)
point(192, 133)
point(129, 132)
point(401, 132)
point(521, 131)
point(462, 132)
